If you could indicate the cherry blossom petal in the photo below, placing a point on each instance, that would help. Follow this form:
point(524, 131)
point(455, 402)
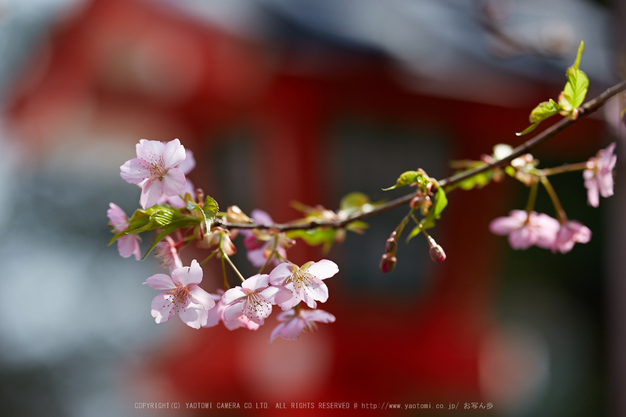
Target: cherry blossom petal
point(276, 294)
point(117, 217)
point(505, 225)
point(134, 171)
point(173, 182)
point(188, 164)
point(316, 290)
point(593, 193)
point(323, 269)
point(571, 233)
point(188, 275)
point(194, 315)
point(162, 308)
point(261, 217)
point(521, 239)
point(175, 200)
point(128, 246)
point(149, 150)
point(173, 153)
point(150, 193)
point(257, 257)
point(281, 273)
point(256, 282)
point(233, 311)
point(233, 295)
point(289, 330)
point(161, 282)
point(201, 297)
point(318, 315)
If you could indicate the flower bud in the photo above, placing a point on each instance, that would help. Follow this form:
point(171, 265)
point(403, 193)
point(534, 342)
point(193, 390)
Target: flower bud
point(391, 245)
point(437, 254)
point(416, 202)
point(236, 215)
point(388, 262)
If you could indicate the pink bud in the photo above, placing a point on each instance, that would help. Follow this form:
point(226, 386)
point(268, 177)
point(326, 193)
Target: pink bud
point(388, 263)
point(437, 254)
point(416, 202)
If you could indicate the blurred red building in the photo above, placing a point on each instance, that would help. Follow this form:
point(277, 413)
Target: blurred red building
point(272, 122)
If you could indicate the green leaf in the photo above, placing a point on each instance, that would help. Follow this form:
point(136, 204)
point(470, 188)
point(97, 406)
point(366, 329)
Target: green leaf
point(353, 201)
point(211, 208)
point(544, 110)
point(208, 213)
point(357, 226)
point(577, 82)
point(441, 201)
point(143, 220)
point(540, 113)
point(313, 237)
point(476, 181)
point(407, 178)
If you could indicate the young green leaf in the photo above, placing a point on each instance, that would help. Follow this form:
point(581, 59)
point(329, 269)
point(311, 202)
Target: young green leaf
point(407, 178)
point(315, 236)
point(143, 220)
point(353, 201)
point(540, 113)
point(211, 208)
point(577, 83)
point(570, 99)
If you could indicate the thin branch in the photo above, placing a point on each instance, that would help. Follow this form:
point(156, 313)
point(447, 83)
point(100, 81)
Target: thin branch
point(583, 111)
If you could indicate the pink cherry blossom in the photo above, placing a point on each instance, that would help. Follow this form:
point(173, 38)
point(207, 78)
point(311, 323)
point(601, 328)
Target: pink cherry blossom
point(525, 230)
point(261, 243)
point(218, 237)
point(186, 166)
point(254, 299)
point(127, 245)
point(570, 233)
point(305, 282)
point(216, 315)
point(294, 323)
point(599, 175)
point(167, 251)
point(181, 294)
point(156, 170)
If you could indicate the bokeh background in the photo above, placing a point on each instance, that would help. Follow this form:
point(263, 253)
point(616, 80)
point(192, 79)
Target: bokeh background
point(305, 100)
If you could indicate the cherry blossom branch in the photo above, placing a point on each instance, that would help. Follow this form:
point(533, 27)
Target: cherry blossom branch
point(583, 111)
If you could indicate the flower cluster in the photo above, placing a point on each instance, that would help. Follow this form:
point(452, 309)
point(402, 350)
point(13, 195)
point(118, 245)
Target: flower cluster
point(528, 228)
point(538, 229)
point(182, 215)
point(249, 304)
point(171, 207)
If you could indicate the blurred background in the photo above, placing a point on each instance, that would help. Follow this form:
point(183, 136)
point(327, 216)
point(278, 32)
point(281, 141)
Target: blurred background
point(306, 100)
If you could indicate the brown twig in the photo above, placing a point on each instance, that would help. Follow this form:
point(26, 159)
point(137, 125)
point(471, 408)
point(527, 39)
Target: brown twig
point(583, 111)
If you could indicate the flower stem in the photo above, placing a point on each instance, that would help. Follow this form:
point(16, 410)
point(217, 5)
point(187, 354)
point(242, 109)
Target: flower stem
point(272, 253)
point(563, 168)
point(224, 256)
point(224, 277)
point(532, 197)
point(555, 200)
point(208, 258)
